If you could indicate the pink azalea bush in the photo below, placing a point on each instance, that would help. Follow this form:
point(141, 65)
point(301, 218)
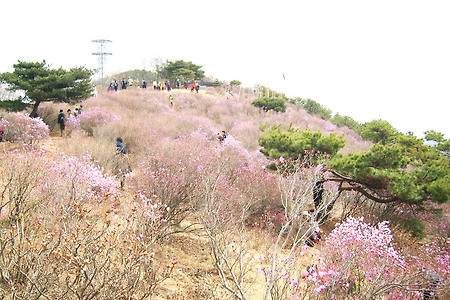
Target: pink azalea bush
point(18, 127)
point(359, 261)
point(43, 179)
point(79, 179)
point(58, 222)
point(92, 118)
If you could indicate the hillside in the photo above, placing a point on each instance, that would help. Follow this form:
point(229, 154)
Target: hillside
point(197, 218)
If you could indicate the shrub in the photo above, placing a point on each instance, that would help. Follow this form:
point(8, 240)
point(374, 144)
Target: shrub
point(90, 119)
point(292, 143)
point(341, 121)
point(77, 254)
point(267, 104)
point(172, 182)
point(48, 112)
point(313, 107)
point(359, 261)
point(62, 238)
point(378, 131)
point(18, 127)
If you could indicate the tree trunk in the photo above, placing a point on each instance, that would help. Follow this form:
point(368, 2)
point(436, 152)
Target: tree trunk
point(35, 108)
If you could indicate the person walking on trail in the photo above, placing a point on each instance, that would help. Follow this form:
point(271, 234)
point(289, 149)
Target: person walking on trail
point(178, 83)
point(313, 236)
point(1, 133)
point(192, 87)
point(431, 284)
point(61, 121)
point(144, 84)
point(171, 100)
point(122, 166)
point(124, 84)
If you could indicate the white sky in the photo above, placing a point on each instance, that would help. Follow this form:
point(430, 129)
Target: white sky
point(384, 59)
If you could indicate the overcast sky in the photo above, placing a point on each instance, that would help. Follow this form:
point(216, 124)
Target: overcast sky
point(369, 60)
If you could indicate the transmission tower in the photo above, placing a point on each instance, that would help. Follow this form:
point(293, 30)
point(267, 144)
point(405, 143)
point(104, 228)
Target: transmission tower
point(101, 54)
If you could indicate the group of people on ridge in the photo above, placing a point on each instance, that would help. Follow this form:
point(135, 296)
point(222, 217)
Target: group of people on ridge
point(157, 85)
point(62, 118)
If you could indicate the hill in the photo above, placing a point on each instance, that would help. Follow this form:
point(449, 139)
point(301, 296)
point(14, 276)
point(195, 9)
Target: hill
point(197, 218)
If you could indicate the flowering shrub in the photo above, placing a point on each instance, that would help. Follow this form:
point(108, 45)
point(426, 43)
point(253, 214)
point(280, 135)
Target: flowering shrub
point(78, 179)
point(92, 118)
point(21, 128)
point(359, 261)
point(79, 256)
point(34, 178)
point(61, 238)
point(171, 182)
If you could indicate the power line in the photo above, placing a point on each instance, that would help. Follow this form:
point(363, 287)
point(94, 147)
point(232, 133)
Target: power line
point(101, 54)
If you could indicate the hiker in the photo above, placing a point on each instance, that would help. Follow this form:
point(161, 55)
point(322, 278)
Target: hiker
point(317, 196)
point(170, 100)
point(122, 163)
point(178, 83)
point(185, 85)
point(69, 113)
point(197, 87)
point(61, 121)
point(432, 281)
point(313, 235)
point(192, 87)
point(120, 148)
point(124, 84)
point(144, 84)
point(110, 88)
point(1, 133)
point(154, 84)
point(168, 86)
point(219, 137)
point(115, 85)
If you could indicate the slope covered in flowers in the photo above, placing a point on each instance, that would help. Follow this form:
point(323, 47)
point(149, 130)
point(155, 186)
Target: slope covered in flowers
point(197, 218)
